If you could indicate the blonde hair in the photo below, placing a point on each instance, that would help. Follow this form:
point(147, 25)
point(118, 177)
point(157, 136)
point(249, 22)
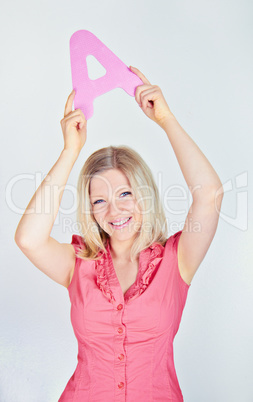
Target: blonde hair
point(129, 162)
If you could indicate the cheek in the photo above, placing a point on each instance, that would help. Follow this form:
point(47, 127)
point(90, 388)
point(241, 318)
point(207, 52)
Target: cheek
point(137, 211)
point(132, 205)
point(137, 208)
point(99, 212)
point(98, 217)
point(139, 218)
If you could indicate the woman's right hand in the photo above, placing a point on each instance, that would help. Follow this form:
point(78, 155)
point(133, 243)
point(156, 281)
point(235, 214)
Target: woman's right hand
point(74, 127)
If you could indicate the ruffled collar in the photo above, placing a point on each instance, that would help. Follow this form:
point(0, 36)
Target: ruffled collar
point(107, 280)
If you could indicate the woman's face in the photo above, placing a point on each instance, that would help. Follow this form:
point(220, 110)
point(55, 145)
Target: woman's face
point(114, 206)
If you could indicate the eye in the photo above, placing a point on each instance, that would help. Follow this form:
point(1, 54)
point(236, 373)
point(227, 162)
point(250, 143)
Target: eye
point(126, 193)
point(97, 202)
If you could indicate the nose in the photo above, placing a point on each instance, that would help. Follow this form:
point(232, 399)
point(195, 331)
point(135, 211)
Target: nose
point(115, 208)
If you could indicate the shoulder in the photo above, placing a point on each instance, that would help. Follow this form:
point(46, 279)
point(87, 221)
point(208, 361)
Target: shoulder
point(172, 241)
point(77, 242)
point(173, 255)
point(76, 239)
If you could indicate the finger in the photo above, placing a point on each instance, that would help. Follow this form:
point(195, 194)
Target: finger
point(140, 75)
point(69, 103)
point(139, 90)
point(76, 115)
point(148, 97)
point(150, 93)
point(74, 121)
point(76, 112)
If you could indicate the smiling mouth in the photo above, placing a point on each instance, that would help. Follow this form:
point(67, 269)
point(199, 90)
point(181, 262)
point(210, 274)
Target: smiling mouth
point(120, 223)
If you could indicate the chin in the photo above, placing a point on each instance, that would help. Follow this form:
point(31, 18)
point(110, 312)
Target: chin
point(124, 236)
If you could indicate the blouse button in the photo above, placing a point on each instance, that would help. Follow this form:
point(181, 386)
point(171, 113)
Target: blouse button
point(120, 384)
point(119, 307)
point(120, 330)
point(121, 356)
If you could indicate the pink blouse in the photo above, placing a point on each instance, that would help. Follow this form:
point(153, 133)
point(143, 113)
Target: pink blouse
point(125, 341)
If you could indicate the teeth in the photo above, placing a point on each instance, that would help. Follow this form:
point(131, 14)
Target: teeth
point(121, 222)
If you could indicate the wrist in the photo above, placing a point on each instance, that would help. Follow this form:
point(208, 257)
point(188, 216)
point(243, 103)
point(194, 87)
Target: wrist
point(163, 123)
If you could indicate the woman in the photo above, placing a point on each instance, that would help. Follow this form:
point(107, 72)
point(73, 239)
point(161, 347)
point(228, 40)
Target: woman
point(127, 282)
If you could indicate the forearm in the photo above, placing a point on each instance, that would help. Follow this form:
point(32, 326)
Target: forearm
point(199, 174)
point(38, 219)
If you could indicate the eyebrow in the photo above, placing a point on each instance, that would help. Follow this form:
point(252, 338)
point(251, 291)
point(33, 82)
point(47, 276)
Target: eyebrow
point(119, 191)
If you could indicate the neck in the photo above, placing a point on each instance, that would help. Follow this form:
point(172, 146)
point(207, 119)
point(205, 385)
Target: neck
point(120, 250)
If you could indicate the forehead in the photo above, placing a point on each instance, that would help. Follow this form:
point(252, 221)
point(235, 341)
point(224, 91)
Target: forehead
point(108, 181)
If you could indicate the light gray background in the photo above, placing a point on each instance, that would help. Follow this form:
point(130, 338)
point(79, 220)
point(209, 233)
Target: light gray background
point(200, 54)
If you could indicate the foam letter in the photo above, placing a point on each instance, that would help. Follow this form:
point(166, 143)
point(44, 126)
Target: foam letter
point(118, 75)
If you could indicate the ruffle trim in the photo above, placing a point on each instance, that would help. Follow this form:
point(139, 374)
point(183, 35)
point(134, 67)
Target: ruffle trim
point(102, 278)
point(104, 267)
point(146, 273)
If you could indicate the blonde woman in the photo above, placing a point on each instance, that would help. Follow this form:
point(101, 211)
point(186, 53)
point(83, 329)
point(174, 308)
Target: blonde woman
point(127, 281)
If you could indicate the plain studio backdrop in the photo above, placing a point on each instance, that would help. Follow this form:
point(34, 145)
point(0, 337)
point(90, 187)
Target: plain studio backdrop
point(200, 54)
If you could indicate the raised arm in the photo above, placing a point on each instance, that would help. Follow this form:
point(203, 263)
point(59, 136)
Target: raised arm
point(201, 178)
point(32, 235)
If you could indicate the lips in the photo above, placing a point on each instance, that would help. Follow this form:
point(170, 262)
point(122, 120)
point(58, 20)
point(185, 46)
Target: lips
point(119, 223)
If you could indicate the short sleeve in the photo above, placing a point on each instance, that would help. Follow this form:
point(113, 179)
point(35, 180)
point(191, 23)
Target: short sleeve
point(175, 239)
point(180, 284)
point(177, 288)
point(174, 244)
point(78, 243)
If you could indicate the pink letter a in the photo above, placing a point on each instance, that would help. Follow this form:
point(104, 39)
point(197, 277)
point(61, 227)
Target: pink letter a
point(118, 75)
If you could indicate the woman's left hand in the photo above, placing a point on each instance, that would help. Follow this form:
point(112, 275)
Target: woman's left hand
point(150, 98)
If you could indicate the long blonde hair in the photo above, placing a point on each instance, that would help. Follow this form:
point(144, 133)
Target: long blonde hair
point(129, 162)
